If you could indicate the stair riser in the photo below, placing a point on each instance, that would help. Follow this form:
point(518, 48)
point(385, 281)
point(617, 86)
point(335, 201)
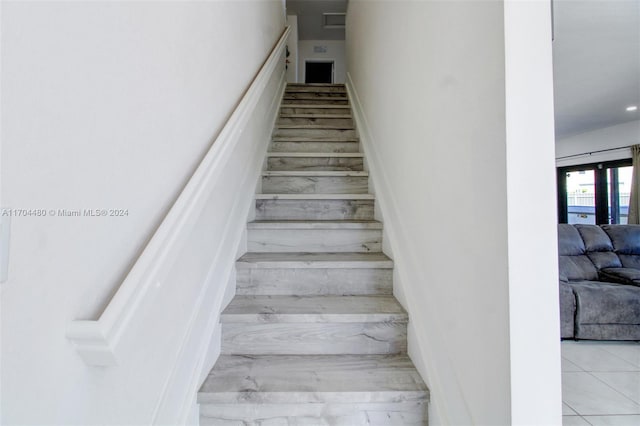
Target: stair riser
point(384, 414)
point(314, 101)
point(314, 210)
point(303, 146)
point(339, 123)
point(315, 185)
point(314, 95)
point(315, 133)
point(314, 338)
point(314, 282)
point(315, 163)
point(314, 240)
point(315, 111)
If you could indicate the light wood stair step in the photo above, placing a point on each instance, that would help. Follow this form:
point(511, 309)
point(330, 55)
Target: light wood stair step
point(314, 133)
point(311, 379)
point(313, 390)
point(289, 325)
point(314, 106)
point(314, 236)
point(316, 121)
point(306, 94)
point(315, 182)
point(314, 274)
point(312, 146)
point(320, 111)
point(311, 116)
point(327, 161)
point(314, 261)
point(316, 94)
point(321, 126)
point(288, 102)
point(313, 309)
point(311, 224)
point(328, 139)
point(315, 197)
point(315, 173)
point(303, 110)
point(314, 207)
point(316, 154)
point(315, 338)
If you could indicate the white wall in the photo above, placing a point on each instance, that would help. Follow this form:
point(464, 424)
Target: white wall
point(582, 148)
point(292, 70)
point(445, 142)
point(110, 106)
point(335, 50)
point(534, 325)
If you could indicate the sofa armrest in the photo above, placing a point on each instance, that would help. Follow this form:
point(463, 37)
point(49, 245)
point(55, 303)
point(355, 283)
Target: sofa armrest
point(629, 276)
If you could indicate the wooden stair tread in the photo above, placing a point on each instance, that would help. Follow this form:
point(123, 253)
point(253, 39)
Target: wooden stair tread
point(316, 309)
point(312, 379)
point(315, 106)
point(311, 196)
point(315, 173)
point(303, 139)
point(314, 260)
point(328, 116)
point(315, 126)
point(316, 154)
point(314, 224)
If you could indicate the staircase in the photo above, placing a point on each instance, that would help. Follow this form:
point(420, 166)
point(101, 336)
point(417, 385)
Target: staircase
point(314, 335)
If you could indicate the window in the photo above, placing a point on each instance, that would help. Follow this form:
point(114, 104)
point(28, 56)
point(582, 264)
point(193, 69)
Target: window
point(594, 193)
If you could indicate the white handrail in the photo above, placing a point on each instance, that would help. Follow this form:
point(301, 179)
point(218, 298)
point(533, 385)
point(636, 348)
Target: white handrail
point(96, 340)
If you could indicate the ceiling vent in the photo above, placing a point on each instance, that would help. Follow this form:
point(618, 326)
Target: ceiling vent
point(334, 20)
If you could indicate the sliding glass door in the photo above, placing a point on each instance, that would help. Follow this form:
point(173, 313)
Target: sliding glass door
point(618, 192)
point(581, 196)
point(594, 193)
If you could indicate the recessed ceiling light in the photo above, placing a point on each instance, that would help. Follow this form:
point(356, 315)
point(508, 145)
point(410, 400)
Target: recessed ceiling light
point(632, 108)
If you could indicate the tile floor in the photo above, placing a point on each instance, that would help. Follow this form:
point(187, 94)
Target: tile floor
point(600, 383)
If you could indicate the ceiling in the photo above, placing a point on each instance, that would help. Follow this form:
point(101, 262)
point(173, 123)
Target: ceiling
point(310, 23)
point(596, 55)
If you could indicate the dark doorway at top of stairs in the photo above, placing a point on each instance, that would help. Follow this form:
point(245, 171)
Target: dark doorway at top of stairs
point(318, 72)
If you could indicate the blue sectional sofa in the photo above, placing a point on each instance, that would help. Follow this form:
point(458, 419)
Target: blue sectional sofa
point(599, 281)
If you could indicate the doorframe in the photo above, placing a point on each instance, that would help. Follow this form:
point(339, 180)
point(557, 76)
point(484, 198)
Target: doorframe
point(320, 60)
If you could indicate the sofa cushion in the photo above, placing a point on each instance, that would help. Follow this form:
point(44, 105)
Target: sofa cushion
point(606, 311)
point(569, 241)
point(594, 238)
point(604, 259)
point(573, 263)
point(576, 268)
point(625, 238)
point(630, 260)
point(598, 246)
point(621, 275)
point(626, 243)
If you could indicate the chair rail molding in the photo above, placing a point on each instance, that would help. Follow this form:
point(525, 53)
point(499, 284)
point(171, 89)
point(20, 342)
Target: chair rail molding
point(97, 340)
